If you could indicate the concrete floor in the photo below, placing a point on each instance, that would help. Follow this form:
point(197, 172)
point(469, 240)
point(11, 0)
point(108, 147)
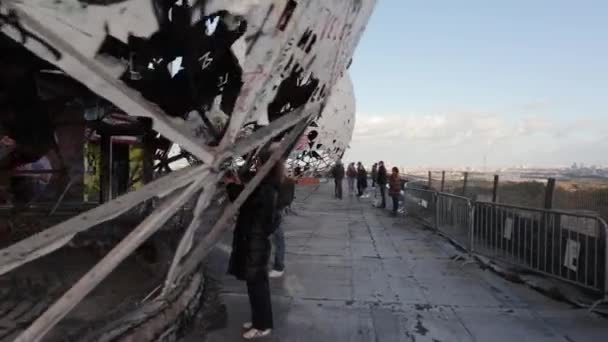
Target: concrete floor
point(356, 274)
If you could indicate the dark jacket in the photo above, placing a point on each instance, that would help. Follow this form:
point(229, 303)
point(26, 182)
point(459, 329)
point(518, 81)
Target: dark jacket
point(382, 175)
point(362, 177)
point(338, 171)
point(351, 172)
point(374, 173)
point(255, 223)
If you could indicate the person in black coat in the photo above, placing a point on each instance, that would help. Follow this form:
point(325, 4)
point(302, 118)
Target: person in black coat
point(251, 246)
point(338, 173)
point(382, 181)
point(361, 179)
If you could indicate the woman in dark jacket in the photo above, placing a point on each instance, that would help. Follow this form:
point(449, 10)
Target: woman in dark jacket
point(251, 247)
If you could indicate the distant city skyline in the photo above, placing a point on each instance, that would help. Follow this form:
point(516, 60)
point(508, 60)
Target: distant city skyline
point(445, 83)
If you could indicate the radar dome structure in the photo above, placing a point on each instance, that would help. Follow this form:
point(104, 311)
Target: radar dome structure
point(94, 94)
point(327, 137)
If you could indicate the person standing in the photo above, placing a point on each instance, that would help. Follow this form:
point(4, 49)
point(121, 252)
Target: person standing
point(361, 179)
point(251, 245)
point(394, 190)
point(285, 198)
point(374, 174)
point(382, 180)
point(338, 174)
point(351, 173)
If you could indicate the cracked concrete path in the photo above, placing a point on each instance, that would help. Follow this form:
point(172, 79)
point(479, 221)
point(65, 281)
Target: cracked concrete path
point(356, 274)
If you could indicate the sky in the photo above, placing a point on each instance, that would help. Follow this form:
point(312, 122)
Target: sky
point(447, 83)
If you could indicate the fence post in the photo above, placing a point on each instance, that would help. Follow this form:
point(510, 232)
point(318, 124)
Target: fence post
point(471, 224)
point(442, 181)
point(549, 191)
point(436, 204)
point(495, 189)
point(464, 184)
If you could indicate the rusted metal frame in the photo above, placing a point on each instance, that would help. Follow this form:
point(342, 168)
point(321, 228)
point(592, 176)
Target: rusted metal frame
point(94, 76)
point(57, 236)
point(195, 257)
point(43, 324)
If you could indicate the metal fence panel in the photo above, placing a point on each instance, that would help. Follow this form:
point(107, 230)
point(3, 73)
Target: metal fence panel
point(564, 245)
point(572, 247)
point(420, 203)
point(453, 218)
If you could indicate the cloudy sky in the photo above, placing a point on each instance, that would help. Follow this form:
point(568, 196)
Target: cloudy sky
point(445, 83)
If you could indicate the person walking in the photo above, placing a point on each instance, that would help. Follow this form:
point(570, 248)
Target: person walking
point(351, 173)
point(361, 179)
point(394, 190)
point(338, 173)
point(251, 245)
point(374, 174)
point(382, 180)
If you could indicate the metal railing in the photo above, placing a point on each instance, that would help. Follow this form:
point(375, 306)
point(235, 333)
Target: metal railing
point(569, 246)
point(453, 218)
point(421, 203)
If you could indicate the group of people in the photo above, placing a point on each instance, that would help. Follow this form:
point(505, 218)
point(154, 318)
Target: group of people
point(259, 219)
point(379, 176)
point(354, 175)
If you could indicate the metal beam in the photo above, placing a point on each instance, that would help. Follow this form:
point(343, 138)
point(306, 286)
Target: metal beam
point(196, 256)
point(57, 236)
point(43, 324)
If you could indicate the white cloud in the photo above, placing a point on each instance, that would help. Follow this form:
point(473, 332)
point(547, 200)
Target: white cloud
point(457, 139)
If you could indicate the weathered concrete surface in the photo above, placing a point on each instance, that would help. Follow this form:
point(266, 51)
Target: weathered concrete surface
point(356, 274)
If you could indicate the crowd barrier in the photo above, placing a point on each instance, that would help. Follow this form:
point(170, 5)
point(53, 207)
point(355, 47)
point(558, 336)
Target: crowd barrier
point(565, 245)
